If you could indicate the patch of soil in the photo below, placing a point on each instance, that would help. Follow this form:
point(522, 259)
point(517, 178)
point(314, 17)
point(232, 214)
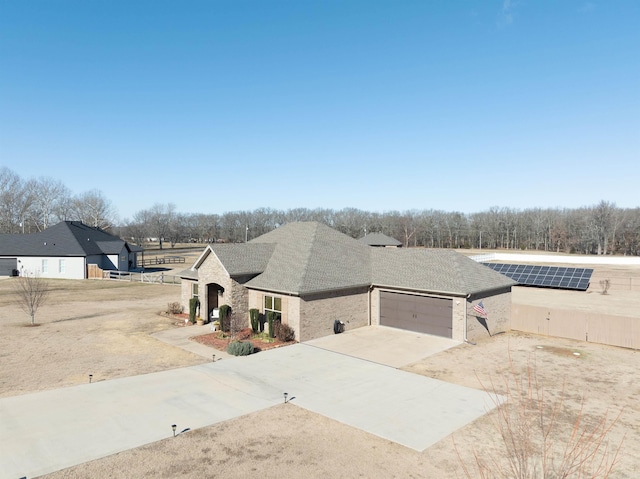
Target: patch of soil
point(220, 340)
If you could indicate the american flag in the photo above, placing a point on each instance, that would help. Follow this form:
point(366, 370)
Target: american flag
point(479, 308)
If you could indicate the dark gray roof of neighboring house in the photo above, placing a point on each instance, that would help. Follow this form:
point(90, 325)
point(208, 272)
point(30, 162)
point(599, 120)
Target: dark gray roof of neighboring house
point(379, 239)
point(309, 257)
point(69, 238)
point(444, 271)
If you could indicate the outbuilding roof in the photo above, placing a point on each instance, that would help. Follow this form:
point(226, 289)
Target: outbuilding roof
point(310, 257)
point(379, 239)
point(68, 238)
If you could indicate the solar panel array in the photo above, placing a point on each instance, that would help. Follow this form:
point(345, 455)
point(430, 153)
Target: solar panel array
point(545, 276)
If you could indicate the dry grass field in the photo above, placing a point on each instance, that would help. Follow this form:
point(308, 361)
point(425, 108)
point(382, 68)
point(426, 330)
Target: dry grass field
point(103, 328)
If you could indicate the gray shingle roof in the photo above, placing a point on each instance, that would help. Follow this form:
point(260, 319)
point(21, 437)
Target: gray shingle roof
point(309, 257)
point(68, 238)
point(429, 270)
point(379, 239)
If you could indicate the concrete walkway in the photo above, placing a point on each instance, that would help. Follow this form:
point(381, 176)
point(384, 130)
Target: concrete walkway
point(179, 337)
point(52, 430)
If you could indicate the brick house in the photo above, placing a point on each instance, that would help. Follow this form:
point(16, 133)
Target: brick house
point(312, 275)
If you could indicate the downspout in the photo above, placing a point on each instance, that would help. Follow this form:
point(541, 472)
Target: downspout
point(466, 340)
point(369, 304)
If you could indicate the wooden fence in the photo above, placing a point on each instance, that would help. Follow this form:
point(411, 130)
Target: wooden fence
point(581, 325)
point(161, 260)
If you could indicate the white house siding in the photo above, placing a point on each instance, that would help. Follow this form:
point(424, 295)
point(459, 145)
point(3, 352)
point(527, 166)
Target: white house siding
point(74, 267)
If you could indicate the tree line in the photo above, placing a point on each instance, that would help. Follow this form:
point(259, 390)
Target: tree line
point(29, 206)
point(603, 228)
point(599, 229)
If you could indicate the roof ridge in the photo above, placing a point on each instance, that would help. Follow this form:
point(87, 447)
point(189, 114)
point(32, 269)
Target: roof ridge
point(307, 253)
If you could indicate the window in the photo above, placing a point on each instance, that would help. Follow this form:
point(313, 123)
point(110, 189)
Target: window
point(45, 265)
point(194, 290)
point(272, 303)
point(61, 266)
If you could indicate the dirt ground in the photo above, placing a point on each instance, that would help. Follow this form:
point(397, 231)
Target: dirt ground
point(86, 327)
point(103, 328)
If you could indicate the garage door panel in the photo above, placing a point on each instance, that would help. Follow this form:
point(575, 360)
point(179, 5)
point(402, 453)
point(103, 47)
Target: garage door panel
point(422, 314)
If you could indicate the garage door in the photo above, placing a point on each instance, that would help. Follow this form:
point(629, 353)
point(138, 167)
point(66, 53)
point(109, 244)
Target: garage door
point(416, 313)
point(8, 266)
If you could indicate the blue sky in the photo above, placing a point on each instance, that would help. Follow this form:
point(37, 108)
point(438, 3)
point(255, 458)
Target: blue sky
point(220, 106)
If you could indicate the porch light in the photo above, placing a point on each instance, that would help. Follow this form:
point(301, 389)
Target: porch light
point(173, 426)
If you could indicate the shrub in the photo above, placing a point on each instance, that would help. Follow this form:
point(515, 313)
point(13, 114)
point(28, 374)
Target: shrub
point(194, 304)
point(225, 312)
point(175, 308)
point(240, 348)
point(285, 333)
point(254, 315)
point(271, 319)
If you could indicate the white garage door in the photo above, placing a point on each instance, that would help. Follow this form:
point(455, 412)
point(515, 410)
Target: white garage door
point(423, 314)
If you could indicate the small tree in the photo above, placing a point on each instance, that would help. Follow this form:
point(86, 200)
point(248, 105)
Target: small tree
point(236, 323)
point(254, 315)
point(224, 312)
point(194, 304)
point(538, 437)
point(271, 320)
point(32, 292)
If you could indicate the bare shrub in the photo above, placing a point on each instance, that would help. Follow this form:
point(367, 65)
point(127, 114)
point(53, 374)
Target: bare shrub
point(175, 308)
point(32, 292)
point(539, 437)
point(284, 332)
point(604, 284)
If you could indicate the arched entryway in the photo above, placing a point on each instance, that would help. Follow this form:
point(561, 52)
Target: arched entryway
point(214, 291)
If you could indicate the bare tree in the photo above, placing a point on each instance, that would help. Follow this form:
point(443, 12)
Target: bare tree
point(93, 209)
point(15, 201)
point(32, 292)
point(47, 195)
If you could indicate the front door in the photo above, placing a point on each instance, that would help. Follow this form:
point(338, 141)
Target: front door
point(212, 298)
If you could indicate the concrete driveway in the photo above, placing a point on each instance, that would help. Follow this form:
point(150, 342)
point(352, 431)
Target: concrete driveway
point(51, 430)
point(380, 344)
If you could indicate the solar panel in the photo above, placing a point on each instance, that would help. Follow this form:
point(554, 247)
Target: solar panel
point(545, 276)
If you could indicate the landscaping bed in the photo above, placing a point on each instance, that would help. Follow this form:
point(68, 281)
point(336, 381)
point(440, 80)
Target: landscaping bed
point(260, 342)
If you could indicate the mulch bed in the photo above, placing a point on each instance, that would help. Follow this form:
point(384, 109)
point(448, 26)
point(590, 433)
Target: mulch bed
point(220, 341)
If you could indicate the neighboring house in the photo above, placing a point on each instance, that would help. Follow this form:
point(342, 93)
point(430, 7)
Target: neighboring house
point(64, 251)
point(380, 240)
point(312, 275)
